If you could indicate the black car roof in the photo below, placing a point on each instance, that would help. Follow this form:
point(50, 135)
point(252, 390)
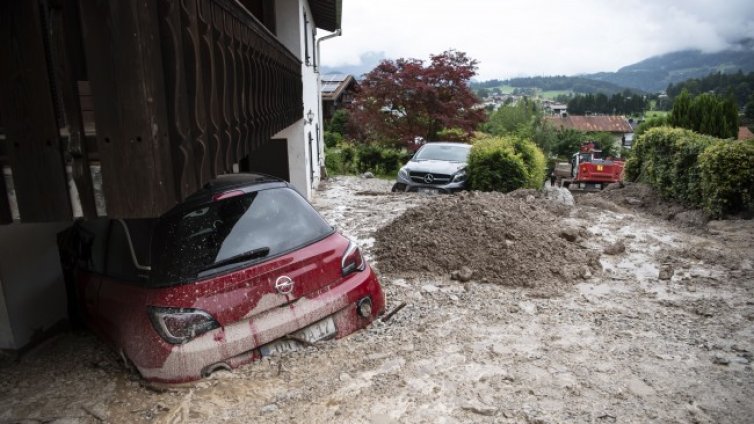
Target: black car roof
point(247, 183)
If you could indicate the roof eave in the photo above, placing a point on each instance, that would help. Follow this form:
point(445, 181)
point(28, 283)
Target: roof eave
point(327, 14)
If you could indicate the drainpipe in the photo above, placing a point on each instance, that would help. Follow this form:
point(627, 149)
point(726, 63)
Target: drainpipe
point(320, 140)
point(337, 33)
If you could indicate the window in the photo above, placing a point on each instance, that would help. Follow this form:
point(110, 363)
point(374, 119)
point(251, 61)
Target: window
point(306, 40)
point(188, 245)
point(120, 264)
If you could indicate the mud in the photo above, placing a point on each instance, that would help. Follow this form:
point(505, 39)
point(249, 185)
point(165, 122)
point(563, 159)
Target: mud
point(639, 197)
point(621, 346)
point(509, 240)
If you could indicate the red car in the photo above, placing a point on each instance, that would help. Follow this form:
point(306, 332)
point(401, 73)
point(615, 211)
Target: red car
point(243, 268)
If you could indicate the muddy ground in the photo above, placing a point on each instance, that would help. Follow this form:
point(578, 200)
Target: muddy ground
point(619, 345)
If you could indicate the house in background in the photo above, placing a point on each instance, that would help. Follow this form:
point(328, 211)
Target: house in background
point(618, 126)
point(337, 92)
point(554, 108)
point(123, 109)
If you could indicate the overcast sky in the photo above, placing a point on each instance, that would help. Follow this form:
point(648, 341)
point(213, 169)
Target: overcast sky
point(513, 38)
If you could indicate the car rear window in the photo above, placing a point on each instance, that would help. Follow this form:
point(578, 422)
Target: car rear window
point(186, 245)
point(443, 152)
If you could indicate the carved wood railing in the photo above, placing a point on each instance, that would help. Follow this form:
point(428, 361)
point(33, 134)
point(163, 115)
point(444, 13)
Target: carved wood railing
point(230, 85)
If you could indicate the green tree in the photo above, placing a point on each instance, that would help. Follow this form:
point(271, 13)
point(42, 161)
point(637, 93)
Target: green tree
point(706, 114)
point(338, 122)
point(679, 116)
point(749, 108)
point(509, 119)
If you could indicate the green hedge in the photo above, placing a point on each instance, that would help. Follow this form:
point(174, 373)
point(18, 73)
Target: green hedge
point(505, 164)
point(670, 160)
point(351, 158)
point(727, 174)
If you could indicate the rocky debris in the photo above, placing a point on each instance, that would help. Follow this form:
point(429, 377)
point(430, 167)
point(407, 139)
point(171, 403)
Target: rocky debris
point(559, 195)
point(569, 234)
point(666, 272)
point(615, 248)
point(613, 186)
point(502, 238)
point(633, 201)
point(267, 409)
point(479, 408)
point(691, 218)
point(367, 175)
point(719, 360)
point(465, 273)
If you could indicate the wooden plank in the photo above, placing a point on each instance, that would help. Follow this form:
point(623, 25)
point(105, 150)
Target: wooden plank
point(65, 27)
point(29, 116)
point(177, 98)
point(124, 64)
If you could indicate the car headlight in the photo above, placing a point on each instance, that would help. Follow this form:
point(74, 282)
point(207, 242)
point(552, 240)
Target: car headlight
point(403, 173)
point(460, 176)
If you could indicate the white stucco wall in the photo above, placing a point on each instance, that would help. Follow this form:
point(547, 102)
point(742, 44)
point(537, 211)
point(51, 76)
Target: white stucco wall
point(33, 290)
point(303, 160)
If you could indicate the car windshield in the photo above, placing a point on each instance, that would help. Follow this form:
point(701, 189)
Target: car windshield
point(233, 232)
point(443, 152)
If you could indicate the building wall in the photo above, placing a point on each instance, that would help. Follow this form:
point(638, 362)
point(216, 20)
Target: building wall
point(304, 160)
point(6, 332)
point(33, 290)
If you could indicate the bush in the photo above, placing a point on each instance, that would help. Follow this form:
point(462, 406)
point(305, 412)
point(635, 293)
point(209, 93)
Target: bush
point(727, 178)
point(695, 169)
point(332, 139)
point(454, 134)
point(667, 159)
point(349, 158)
point(505, 164)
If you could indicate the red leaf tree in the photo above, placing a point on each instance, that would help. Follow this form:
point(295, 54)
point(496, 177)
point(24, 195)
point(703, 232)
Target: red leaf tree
point(403, 99)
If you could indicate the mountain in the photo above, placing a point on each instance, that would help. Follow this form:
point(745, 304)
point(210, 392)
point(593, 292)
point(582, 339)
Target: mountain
point(654, 74)
point(563, 83)
point(367, 62)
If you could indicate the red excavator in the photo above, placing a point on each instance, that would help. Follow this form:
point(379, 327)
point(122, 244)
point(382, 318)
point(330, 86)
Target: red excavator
point(588, 170)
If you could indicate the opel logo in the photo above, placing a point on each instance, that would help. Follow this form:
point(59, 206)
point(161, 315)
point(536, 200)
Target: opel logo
point(284, 285)
point(429, 178)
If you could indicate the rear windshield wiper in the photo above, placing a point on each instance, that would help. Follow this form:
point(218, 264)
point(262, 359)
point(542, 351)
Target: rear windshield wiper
point(241, 257)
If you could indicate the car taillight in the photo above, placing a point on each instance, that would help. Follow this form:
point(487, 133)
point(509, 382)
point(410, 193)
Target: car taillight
point(179, 325)
point(352, 260)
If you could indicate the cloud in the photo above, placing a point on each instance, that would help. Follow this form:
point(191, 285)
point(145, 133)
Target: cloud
point(537, 37)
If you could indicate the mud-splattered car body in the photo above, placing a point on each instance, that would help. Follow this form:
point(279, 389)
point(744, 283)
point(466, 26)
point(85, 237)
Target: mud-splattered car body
point(243, 268)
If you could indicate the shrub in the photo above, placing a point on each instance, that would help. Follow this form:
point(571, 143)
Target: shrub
point(454, 134)
point(332, 139)
point(349, 158)
point(666, 158)
point(534, 159)
point(698, 170)
point(727, 177)
point(505, 164)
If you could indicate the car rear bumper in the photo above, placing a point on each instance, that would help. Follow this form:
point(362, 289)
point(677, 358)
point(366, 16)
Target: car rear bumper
point(238, 343)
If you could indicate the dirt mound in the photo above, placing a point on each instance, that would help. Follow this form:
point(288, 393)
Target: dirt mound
point(641, 197)
point(502, 239)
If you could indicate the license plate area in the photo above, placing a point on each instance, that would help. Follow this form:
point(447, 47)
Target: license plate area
point(320, 330)
point(427, 190)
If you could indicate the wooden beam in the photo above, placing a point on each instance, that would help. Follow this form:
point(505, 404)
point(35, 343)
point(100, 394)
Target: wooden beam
point(28, 112)
point(125, 68)
point(64, 22)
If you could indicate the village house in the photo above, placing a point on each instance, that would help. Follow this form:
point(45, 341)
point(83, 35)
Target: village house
point(618, 126)
point(337, 92)
point(124, 109)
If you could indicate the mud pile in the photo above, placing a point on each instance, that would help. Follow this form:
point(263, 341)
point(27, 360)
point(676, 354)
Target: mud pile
point(642, 197)
point(500, 238)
